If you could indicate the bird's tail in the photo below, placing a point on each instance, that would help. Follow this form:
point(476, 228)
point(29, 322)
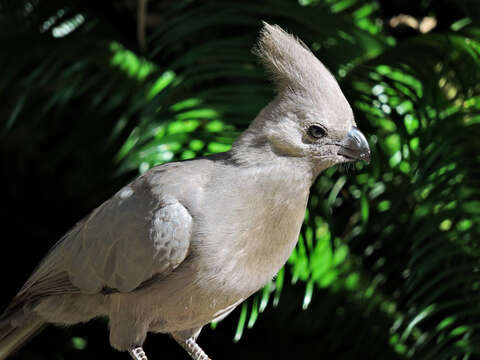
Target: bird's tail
point(13, 337)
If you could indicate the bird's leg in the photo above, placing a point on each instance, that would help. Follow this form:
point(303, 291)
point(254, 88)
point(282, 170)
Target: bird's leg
point(137, 353)
point(192, 348)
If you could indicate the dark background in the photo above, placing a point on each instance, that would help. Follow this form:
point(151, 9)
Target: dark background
point(94, 93)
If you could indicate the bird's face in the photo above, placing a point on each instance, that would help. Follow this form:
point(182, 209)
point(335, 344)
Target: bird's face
point(325, 133)
point(334, 140)
point(327, 147)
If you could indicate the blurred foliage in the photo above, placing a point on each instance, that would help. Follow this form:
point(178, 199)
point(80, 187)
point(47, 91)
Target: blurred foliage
point(389, 253)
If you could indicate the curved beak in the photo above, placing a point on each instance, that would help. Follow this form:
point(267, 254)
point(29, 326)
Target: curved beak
point(354, 146)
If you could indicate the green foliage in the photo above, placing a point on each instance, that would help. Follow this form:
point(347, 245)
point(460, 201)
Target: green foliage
point(398, 238)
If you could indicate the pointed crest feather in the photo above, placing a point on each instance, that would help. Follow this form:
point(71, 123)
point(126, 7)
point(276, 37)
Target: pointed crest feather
point(290, 62)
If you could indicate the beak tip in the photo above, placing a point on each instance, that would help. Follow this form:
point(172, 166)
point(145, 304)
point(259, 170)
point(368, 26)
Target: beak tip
point(366, 157)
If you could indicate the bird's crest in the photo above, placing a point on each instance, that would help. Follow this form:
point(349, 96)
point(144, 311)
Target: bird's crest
point(291, 64)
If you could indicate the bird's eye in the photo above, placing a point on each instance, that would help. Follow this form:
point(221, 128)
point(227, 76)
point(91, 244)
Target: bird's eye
point(317, 131)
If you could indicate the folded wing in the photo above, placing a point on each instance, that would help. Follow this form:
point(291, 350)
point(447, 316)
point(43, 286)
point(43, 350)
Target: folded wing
point(128, 240)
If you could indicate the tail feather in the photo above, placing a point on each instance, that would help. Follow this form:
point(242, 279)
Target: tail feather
point(13, 337)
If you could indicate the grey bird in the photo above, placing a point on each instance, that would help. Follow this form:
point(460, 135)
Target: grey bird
point(186, 242)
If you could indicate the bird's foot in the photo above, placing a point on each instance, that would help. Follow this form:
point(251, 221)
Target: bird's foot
point(137, 353)
point(193, 349)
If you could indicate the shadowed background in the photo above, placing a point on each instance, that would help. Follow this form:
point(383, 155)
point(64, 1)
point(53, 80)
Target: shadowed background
point(387, 265)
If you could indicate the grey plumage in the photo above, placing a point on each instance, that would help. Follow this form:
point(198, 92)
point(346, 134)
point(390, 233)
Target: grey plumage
point(185, 243)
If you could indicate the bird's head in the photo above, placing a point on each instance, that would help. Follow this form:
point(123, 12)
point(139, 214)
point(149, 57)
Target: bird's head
point(310, 117)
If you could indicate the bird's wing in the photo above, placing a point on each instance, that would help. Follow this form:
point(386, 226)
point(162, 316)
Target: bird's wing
point(131, 238)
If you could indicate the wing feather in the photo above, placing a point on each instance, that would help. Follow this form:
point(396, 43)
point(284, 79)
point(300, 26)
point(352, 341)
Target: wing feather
point(131, 238)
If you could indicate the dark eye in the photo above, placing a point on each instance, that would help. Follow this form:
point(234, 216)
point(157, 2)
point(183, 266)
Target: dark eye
point(316, 131)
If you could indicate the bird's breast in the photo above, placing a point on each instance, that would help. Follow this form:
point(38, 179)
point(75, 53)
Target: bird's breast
point(251, 241)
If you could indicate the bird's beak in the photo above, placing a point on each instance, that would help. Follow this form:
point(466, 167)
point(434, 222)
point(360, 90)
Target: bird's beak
point(354, 146)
